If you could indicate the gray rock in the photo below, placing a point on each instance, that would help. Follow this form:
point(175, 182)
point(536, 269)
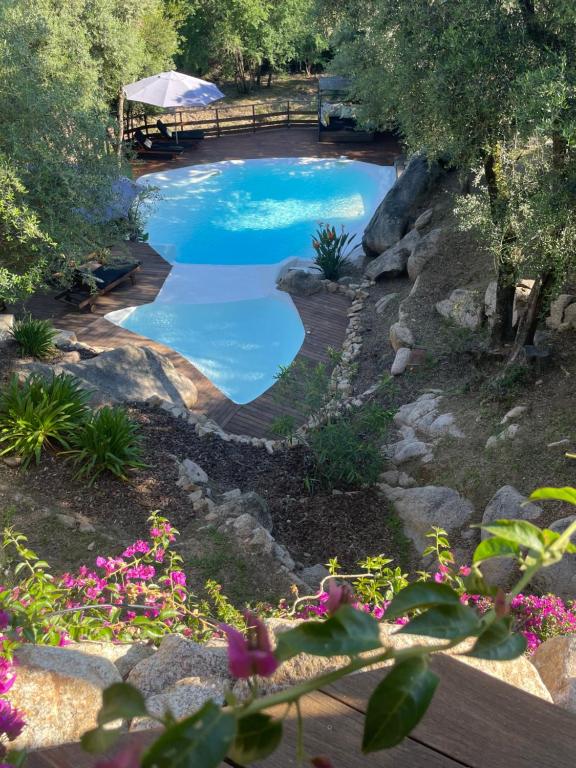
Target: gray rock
point(128, 374)
point(391, 477)
point(557, 307)
point(514, 413)
point(445, 425)
point(507, 434)
point(6, 323)
point(403, 355)
point(300, 282)
point(390, 220)
point(420, 414)
point(124, 656)
point(60, 691)
point(187, 696)
point(384, 301)
point(175, 659)
point(400, 336)
point(490, 302)
point(247, 503)
point(64, 338)
point(560, 579)
point(555, 661)
point(570, 315)
point(424, 251)
point(314, 575)
point(244, 525)
point(189, 474)
point(392, 262)
point(421, 508)
point(463, 307)
point(424, 219)
point(407, 450)
point(509, 504)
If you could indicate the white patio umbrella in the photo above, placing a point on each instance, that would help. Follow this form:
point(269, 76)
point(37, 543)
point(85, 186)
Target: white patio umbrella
point(173, 90)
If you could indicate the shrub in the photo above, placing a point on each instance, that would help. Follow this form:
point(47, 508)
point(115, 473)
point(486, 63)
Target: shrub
point(35, 337)
point(331, 254)
point(346, 451)
point(40, 413)
point(107, 441)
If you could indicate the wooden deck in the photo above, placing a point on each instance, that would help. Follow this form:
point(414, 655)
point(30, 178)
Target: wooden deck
point(474, 721)
point(324, 317)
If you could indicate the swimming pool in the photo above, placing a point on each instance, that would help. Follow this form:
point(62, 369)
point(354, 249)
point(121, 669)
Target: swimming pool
point(228, 229)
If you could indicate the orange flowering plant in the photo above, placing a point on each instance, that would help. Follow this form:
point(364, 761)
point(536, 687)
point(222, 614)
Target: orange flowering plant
point(332, 250)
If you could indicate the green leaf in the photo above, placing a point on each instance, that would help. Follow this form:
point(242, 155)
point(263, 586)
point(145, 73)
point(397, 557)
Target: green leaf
point(398, 704)
point(445, 621)
point(347, 633)
point(199, 741)
point(100, 740)
point(495, 547)
point(556, 494)
point(475, 584)
point(498, 643)
point(421, 594)
point(121, 701)
point(257, 737)
point(518, 532)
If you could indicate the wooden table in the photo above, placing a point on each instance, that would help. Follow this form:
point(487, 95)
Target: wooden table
point(474, 721)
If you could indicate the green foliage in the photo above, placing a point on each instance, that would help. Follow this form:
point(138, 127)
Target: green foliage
point(332, 251)
point(40, 413)
point(346, 450)
point(107, 441)
point(381, 582)
point(302, 384)
point(507, 385)
point(35, 337)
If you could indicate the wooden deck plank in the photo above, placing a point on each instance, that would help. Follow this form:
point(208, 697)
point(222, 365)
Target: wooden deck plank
point(481, 721)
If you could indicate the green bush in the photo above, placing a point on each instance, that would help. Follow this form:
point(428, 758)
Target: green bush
point(35, 337)
point(40, 413)
point(109, 441)
point(331, 254)
point(346, 451)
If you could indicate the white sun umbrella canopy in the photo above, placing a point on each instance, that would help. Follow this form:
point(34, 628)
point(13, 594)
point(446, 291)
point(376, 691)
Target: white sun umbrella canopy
point(173, 90)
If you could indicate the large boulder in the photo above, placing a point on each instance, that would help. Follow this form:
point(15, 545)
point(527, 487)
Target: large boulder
point(175, 659)
point(127, 374)
point(555, 660)
point(557, 309)
point(424, 250)
point(124, 656)
point(390, 220)
point(463, 307)
point(187, 696)
point(392, 262)
point(560, 579)
point(246, 504)
point(60, 691)
point(421, 508)
point(400, 336)
point(509, 504)
point(300, 282)
point(6, 323)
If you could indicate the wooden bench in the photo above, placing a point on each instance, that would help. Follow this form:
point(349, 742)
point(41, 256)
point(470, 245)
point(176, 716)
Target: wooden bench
point(80, 294)
point(474, 721)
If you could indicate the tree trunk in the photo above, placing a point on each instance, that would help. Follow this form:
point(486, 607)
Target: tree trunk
point(529, 322)
point(120, 140)
point(269, 83)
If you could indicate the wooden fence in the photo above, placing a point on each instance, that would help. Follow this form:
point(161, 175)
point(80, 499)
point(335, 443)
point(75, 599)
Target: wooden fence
point(221, 121)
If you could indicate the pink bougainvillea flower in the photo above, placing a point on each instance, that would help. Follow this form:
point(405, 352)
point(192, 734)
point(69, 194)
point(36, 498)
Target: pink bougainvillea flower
point(465, 570)
point(6, 676)
point(5, 620)
point(250, 654)
point(11, 720)
point(338, 595)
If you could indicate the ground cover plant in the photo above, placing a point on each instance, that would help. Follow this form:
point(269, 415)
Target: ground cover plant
point(35, 337)
point(53, 413)
point(142, 594)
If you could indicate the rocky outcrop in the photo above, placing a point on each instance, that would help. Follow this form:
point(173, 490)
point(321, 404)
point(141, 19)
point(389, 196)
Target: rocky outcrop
point(421, 508)
point(6, 323)
point(400, 336)
point(60, 691)
point(124, 656)
point(560, 579)
point(392, 262)
point(558, 309)
point(300, 282)
point(127, 374)
point(508, 504)
point(424, 250)
point(555, 661)
point(463, 307)
point(190, 474)
point(391, 218)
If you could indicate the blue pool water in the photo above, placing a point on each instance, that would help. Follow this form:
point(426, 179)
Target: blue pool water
point(228, 229)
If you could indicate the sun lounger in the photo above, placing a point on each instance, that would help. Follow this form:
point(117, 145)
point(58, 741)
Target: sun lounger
point(185, 136)
point(157, 150)
point(88, 286)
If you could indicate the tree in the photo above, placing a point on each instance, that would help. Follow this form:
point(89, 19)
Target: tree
point(455, 78)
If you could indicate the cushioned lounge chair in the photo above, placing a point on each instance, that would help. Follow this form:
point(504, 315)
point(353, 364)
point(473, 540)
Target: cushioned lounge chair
point(187, 136)
point(89, 285)
point(160, 150)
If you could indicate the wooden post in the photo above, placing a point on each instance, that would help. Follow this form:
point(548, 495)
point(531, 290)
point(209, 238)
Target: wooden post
point(253, 118)
point(217, 123)
point(288, 114)
point(120, 125)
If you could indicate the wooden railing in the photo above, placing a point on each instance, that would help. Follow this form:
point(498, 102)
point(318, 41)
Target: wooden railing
point(220, 121)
